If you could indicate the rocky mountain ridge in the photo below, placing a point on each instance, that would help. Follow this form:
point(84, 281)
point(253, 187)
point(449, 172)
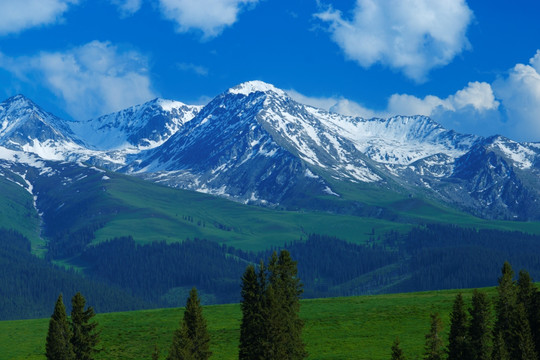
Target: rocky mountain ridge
point(255, 144)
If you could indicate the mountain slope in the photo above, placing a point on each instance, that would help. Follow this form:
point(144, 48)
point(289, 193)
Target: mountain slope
point(254, 144)
point(141, 127)
point(26, 127)
point(239, 146)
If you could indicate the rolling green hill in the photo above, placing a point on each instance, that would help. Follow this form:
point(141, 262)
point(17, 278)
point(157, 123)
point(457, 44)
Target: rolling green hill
point(17, 211)
point(80, 207)
point(125, 231)
point(336, 328)
point(123, 205)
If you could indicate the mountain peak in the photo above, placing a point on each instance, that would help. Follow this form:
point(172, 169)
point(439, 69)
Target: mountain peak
point(140, 127)
point(250, 87)
point(18, 101)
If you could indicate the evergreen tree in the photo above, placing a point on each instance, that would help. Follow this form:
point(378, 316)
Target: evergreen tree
point(192, 340)
point(85, 337)
point(434, 344)
point(527, 294)
point(397, 353)
point(283, 302)
point(526, 291)
point(252, 327)
point(271, 327)
point(535, 322)
point(480, 327)
point(182, 346)
point(500, 352)
point(505, 309)
point(525, 350)
point(58, 345)
point(458, 347)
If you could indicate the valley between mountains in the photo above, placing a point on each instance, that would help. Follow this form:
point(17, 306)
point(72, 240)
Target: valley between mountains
point(144, 203)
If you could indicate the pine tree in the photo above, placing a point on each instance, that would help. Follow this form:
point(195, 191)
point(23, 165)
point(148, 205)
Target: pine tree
point(458, 347)
point(434, 344)
point(85, 337)
point(500, 352)
point(283, 302)
point(182, 346)
point(523, 334)
point(535, 322)
point(526, 291)
point(58, 345)
point(252, 327)
point(271, 327)
point(480, 327)
point(505, 309)
point(192, 340)
point(397, 353)
point(527, 294)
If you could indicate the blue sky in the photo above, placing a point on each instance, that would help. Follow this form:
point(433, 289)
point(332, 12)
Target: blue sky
point(473, 66)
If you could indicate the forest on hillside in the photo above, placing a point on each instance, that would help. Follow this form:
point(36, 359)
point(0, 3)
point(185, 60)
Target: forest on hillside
point(120, 274)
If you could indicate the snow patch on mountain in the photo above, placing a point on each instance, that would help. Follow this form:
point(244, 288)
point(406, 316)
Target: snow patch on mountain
point(250, 87)
point(22, 158)
point(399, 140)
point(139, 127)
point(523, 156)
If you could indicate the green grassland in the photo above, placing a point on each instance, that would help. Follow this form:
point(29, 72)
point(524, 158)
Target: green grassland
point(361, 327)
point(125, 205)
point(17, 212)
point(156, 212)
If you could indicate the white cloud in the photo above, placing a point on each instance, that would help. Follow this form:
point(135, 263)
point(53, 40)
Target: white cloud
point(92, 79)
point(352, 108)
point(338, 105)
point(19, 15)
point(476, 95)
point(472, 109)
point(404, 104)
point(519, 92)
point(127, 7)
point(208, 16)
point(535, 61)
point(197, 69)
point(479, 95)
point(413, 36)
point(319, 102)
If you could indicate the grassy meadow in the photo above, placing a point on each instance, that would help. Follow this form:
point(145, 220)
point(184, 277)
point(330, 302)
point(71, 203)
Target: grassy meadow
point(17, 211)
point(154, 212)
point(361, 327)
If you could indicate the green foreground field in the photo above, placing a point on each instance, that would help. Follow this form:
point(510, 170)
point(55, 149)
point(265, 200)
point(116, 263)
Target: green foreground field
point(361, 327)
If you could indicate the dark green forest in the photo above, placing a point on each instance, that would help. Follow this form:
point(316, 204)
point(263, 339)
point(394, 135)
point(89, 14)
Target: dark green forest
point(120, 274)
point(28, 285)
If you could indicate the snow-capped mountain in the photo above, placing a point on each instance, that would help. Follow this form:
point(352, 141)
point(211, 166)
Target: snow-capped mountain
point(106, 141)
point(254, 132)
point(226, 151)
point(140, 127)
point(255, 144)
point(28, 128)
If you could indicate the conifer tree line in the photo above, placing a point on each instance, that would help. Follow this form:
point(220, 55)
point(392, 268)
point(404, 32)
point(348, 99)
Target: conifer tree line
point(271, 328)
point(72, 340)
point(192, 340)
point(508, 329)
